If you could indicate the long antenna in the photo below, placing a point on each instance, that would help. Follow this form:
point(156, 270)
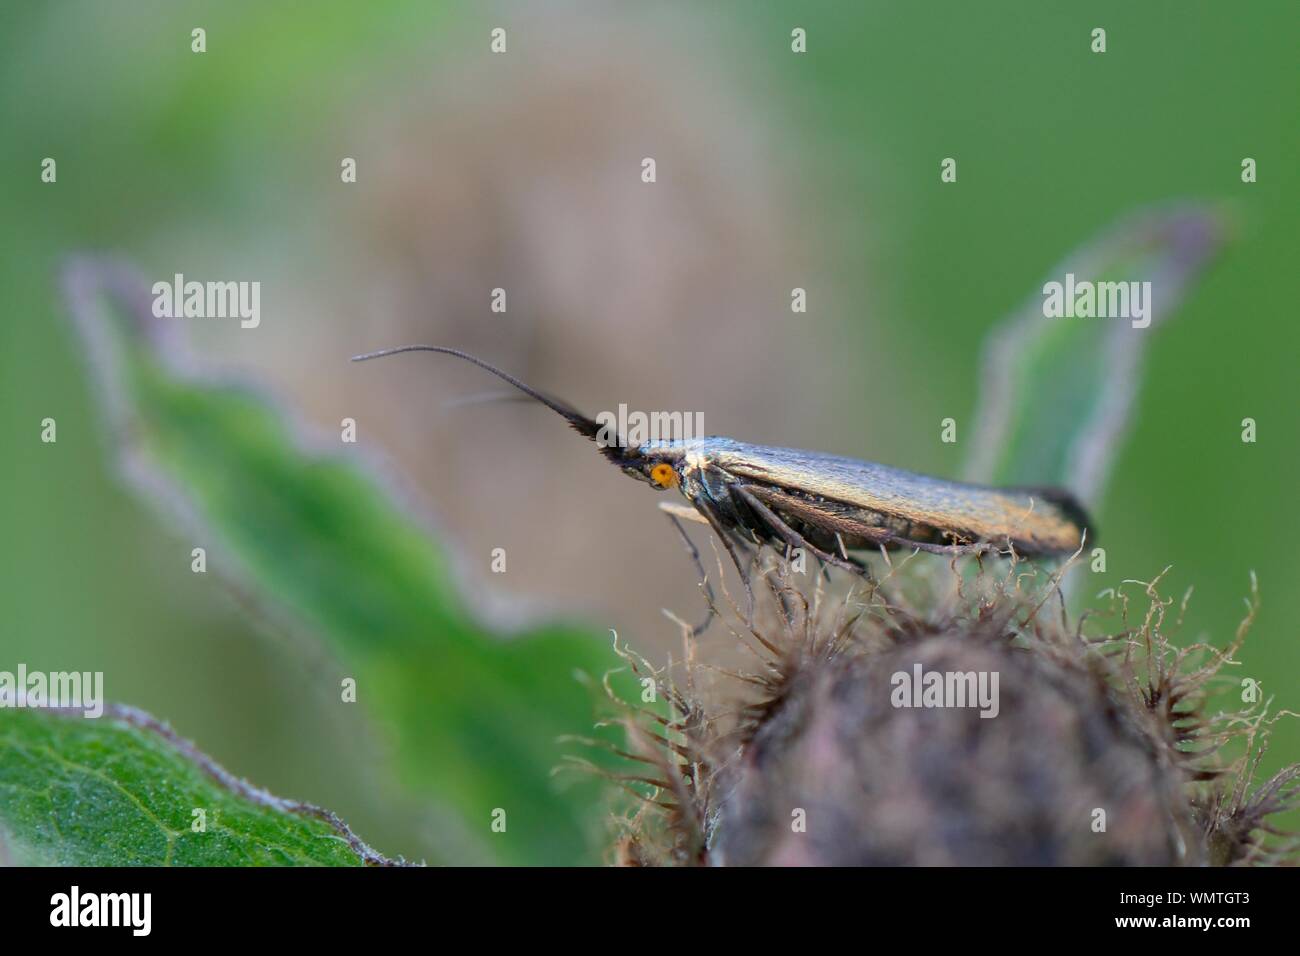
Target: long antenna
point(580, 422)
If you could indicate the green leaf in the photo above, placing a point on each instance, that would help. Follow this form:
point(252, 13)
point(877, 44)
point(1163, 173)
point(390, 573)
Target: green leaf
point(1058, 392)
point(121, 790)
point(318, 540)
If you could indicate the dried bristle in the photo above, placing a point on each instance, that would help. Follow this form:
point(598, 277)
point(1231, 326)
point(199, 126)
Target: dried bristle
point(1111, 724)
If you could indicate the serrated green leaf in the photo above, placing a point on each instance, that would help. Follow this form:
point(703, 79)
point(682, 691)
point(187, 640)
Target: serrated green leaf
point(316, 538)
point(122, 790)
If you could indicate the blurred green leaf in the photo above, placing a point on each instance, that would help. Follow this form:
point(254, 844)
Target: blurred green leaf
point(1058, 392)
point(121, 790)
point(314, 537)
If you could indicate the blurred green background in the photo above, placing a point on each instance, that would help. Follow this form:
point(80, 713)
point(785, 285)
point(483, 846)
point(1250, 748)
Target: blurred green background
point(522, 171)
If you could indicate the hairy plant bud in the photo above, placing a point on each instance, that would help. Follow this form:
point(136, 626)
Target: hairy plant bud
point(972, 728)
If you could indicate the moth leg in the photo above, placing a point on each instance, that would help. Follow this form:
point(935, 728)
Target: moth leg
point(789, 535)
point(715, 523)
point(838, 523)
point(694, 552)
point(846, 522)
point(770, 497)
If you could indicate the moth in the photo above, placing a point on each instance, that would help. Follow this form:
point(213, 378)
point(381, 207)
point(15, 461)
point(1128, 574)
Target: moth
point(755, 495)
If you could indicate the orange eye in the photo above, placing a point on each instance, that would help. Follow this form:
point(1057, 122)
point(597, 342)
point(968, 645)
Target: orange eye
point(664, 475)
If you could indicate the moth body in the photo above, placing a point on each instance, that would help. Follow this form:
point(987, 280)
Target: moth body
point(842, 504)
point(831, 505)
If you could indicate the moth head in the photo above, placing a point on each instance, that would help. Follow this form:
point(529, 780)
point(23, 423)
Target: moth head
point(654, 463)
